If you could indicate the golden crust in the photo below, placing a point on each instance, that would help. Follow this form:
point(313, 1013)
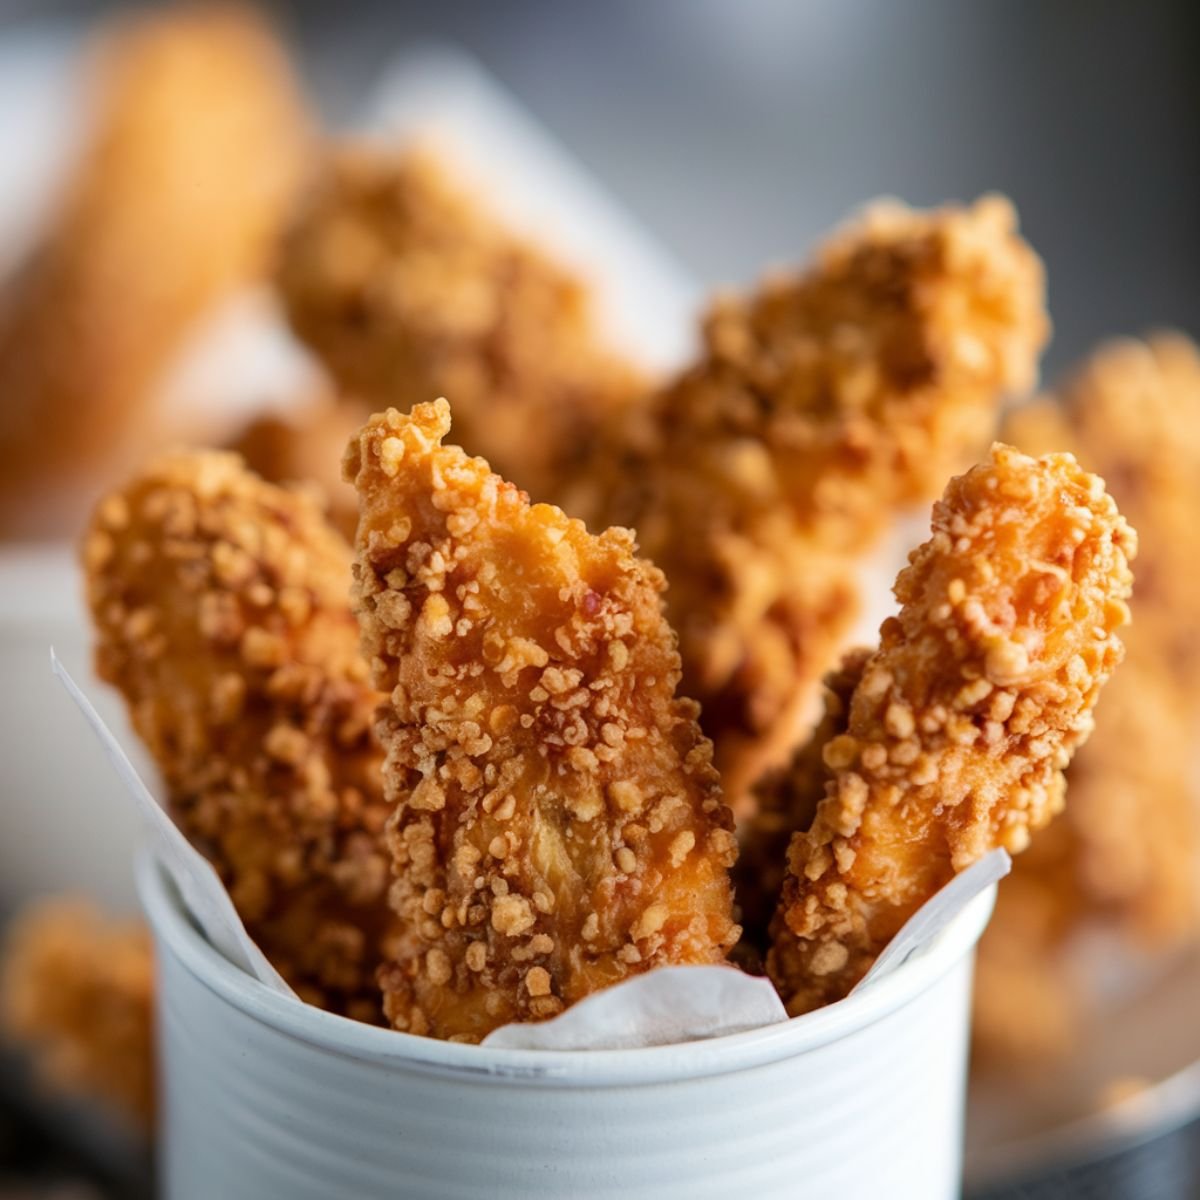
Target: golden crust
point(964, 719)
point(77, 988)
point(558, 825)
point(819, 405)
point(222, 614)
point(406, 288)
point(198, 145)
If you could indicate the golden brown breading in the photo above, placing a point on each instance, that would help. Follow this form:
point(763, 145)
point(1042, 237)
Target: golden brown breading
point(559, 824)
point(306, 449)
point(819, 405)
point(197, 148)
point(407, 288)
point(222, 613)
point(77, 988)
point(965, 717)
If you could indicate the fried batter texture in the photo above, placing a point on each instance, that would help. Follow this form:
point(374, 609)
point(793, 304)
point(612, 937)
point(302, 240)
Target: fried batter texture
point(820, 405)
point(959, 728)
point(77, 989)
point(558, 822)
point(222, 614)
point(407, 288)
point(198, 146)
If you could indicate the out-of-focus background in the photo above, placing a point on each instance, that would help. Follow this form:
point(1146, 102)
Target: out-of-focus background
point(734, 134)
point(737, 133)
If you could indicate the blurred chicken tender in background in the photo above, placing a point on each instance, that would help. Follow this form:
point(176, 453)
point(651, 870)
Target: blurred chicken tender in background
point(198, 142)
point(1125, 854)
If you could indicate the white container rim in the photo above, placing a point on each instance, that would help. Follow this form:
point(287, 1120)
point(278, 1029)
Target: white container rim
point(554, 1068)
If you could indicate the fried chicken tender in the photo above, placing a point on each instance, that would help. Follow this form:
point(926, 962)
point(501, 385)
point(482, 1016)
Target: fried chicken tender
point(820, 405)
point(197, 148)
point(77, 990)
point(558, 823)
point(960, 726)
point(407, 288)
point(222, 613)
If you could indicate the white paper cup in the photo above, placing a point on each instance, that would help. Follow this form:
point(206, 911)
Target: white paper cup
point(266, 1097)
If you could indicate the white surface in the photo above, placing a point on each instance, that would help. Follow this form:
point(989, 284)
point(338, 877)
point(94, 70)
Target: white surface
point(65, 823)
point(269, 1098)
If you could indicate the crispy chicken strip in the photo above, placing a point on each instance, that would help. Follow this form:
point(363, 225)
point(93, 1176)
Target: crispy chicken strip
point(406, 288)
point(820, 404)
point(962, 722)
point(196, 150)
point(222, 614)
point(77, 989)
point(558, 823)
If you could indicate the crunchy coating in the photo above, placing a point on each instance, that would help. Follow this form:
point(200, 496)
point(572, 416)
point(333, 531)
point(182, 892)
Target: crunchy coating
point(222, 614)
point(197, 147)
point(963, 720)
point(558, 823)
point(77, 989)
point(407, 288)
point(820, 404)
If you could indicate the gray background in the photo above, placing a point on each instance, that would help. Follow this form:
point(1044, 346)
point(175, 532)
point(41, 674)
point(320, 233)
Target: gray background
point(739, 130)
